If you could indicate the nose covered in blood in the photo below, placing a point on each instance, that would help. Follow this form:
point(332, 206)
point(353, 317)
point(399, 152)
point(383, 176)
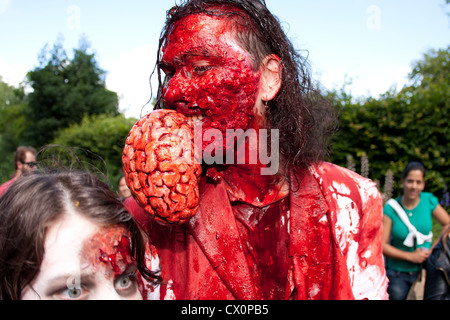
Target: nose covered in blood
point(158, 163)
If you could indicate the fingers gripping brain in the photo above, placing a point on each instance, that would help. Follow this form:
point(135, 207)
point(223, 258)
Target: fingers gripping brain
point(158, 162)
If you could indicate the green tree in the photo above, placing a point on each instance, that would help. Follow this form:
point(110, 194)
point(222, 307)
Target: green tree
point(64, 91)
point(12, 123)
point(401, 127)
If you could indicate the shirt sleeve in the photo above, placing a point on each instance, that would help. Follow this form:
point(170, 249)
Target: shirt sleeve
point(433, 201)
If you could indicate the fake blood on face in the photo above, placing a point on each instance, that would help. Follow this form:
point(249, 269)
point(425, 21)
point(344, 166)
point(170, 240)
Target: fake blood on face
point(120, 256)
point(111, 248)
point(210, 74)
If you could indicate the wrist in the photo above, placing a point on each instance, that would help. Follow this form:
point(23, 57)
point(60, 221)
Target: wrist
point(409, 256)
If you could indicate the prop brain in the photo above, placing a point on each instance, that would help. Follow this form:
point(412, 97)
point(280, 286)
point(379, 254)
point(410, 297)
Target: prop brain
point(159, 166)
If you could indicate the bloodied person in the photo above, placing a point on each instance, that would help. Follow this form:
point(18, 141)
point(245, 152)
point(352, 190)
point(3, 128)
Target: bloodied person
point(223, 226)
point(66, 236)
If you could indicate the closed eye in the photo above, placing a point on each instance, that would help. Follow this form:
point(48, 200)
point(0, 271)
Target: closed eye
point(199, 65)
point(200, 70)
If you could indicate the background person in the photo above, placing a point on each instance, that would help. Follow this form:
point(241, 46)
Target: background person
point(404, 263)
point(24, 162)
point(124, 191)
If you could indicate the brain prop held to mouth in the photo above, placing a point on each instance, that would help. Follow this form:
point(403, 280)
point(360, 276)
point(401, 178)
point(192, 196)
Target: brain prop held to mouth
point(158, 163)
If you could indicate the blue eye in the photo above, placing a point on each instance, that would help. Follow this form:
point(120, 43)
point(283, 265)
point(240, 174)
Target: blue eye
point(69, 293)
point(123, 281)
point(126, 284)
point(74, 293)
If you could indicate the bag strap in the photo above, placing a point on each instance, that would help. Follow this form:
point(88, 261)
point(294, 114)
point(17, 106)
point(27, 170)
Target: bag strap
point(413, 233)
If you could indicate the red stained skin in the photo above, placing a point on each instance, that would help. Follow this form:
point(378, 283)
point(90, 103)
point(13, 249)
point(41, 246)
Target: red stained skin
point(210, 75)
point(120, 256)
point(111, 247)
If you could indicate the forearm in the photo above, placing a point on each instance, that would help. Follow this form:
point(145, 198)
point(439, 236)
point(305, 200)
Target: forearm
point(391, 252)
point(417, 256)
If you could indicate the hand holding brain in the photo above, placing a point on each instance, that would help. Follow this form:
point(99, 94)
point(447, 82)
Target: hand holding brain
point(159, 166)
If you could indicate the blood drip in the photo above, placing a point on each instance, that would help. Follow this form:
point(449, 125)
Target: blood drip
point(121, 253)
point(112, 247)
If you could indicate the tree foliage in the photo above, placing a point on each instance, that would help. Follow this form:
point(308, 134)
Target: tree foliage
point(64, 91)
point(12, 123)
point(401, 127)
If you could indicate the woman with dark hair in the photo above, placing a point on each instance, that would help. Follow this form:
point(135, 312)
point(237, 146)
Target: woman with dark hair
point(65, 235)
point(305, 229)
point(407, 248)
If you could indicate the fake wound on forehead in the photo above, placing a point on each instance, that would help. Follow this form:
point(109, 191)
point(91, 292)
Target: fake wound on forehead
point(111, 246)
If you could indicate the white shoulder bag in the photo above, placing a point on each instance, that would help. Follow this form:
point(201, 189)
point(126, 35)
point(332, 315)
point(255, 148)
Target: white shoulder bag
point(413, 233)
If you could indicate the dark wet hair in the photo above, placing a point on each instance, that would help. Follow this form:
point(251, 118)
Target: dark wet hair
point(34, 202)
point(304, 118)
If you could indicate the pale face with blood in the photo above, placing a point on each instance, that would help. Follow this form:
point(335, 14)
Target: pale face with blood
point(211, 78)
point(85, 261)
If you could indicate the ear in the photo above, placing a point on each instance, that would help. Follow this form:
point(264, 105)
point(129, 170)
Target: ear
point(271, 71)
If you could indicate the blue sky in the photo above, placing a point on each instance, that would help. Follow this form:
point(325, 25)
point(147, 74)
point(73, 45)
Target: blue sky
point(371, 43)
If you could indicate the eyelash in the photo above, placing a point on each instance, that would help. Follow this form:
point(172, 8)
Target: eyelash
point(84, 291)
point(130, 276)
point(199, 70)
point(202, 69)
point(64, 293)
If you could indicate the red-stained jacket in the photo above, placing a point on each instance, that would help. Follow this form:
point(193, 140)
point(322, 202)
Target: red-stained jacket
point(321, 242)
